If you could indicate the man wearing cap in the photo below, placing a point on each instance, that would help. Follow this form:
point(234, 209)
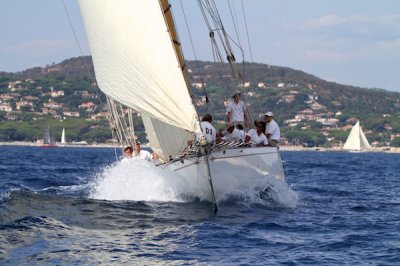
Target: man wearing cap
point(272, 130)
point(235, 111)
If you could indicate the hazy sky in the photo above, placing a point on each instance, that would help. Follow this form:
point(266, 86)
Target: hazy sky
point(353, 42)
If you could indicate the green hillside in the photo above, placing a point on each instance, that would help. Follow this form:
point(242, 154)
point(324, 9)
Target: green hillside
point(310, 111)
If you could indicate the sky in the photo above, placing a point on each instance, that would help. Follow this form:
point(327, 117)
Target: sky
point(352, 42)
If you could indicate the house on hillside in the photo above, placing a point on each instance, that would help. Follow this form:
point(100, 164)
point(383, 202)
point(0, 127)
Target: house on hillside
point(261, 85)
point(6, 107)
point(88, 105)
point(56, 94)
point(98, 116)
point(71, 114)
point(53, 105)
point(23, 103)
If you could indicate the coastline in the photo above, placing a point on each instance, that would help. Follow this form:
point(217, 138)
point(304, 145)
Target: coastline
point(282, 147)
point(68, 145)
point(338, 149)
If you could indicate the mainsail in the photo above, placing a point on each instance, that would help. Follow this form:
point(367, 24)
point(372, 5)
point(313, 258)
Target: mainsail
point(139, 66)
point(356, 139)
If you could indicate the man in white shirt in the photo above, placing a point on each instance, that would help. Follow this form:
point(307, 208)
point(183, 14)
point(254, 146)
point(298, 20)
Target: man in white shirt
point(256, 136)
point(231, 133)
point(272, 130)
point(236, 110)
point(208, 129)
point(143, 154)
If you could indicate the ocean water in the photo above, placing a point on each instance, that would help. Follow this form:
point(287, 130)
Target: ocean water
point(78, 206)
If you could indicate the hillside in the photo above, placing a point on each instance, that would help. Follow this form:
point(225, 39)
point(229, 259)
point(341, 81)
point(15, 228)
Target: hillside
point(311, 111)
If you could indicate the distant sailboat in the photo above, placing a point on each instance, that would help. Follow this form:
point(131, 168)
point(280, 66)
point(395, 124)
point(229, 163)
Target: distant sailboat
point(63, 142)
point(48, 139)
point(356, 141)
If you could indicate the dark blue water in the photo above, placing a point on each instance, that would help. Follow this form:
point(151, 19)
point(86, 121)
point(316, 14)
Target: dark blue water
point(346, 210)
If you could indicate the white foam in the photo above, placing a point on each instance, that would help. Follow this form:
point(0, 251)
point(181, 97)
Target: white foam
point(266, 191)
point(139, 180)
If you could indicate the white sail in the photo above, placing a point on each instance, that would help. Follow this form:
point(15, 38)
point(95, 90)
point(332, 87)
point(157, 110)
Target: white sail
point(63, 137)
point(164, 139)
point(356, 140)
point(48, 139)
point(136, 64)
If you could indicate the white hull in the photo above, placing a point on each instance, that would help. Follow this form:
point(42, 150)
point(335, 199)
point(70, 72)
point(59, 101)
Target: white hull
point(231, 169)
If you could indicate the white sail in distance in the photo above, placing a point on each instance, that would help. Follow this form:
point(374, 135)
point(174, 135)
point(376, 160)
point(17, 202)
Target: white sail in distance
point(356, 140)
point(63, 137)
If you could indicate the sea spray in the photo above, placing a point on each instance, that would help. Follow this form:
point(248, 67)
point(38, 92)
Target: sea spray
point(139, 180)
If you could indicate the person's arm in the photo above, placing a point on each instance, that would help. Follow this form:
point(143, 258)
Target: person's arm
point(228, 117)
point(244, 113)
point(214, 135)
point(265, 140)
point(267, 132)
point(228, 113)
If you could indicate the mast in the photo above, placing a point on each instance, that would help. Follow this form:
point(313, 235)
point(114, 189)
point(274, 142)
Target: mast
point(169, 20)
point(166, 7)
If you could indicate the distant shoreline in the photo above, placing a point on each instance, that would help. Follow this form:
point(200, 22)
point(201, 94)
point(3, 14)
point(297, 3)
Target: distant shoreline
point(34, 144)
point(322, 149)
point(105, 145)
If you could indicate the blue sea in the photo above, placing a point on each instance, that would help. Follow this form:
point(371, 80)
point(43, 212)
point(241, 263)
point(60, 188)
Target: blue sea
point(79, 206)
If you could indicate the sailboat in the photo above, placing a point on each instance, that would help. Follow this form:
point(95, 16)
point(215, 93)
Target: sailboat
point(139, 64)
point(356, 141)
point(63, 142)
point(48, 139)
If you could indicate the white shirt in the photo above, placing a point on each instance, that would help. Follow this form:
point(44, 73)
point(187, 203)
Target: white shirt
point(145, 155)
point(236, 111)
point(257, 139)
point(273, 129)
point(236, 135)
point(242, 134)
point(209, 131)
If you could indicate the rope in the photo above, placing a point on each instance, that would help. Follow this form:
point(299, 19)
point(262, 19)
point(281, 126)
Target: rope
point(212, 17)
point(194, 52)
point(247, 32)
point(91, 75)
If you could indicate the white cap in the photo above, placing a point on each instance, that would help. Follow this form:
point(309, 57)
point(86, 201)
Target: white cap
point(269, 114)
